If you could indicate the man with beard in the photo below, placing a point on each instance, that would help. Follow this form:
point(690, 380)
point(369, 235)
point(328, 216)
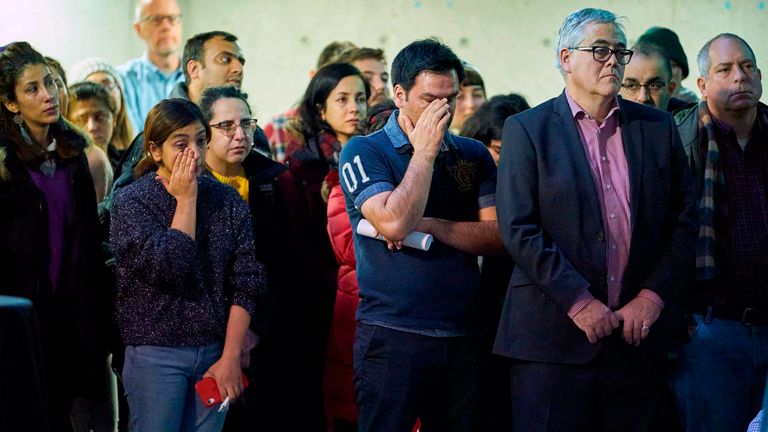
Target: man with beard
point(648, 79)
point(210, 59)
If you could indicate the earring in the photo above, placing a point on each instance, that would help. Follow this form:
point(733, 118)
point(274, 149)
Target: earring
point(18, 120)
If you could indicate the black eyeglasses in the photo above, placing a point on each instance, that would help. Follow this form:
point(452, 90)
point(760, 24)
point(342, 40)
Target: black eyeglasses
point(229, 127)
point(157, 20)
point(603, 53)
point(653, 87)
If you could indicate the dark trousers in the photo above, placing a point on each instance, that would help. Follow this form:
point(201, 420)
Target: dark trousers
point(619, 390)
point(401, 376)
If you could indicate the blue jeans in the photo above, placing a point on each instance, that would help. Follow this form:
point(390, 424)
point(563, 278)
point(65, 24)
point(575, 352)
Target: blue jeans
point(160, 388)
point(401, 376)
point(720, 378)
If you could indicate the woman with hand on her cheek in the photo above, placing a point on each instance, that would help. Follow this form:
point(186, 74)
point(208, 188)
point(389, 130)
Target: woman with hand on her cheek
point(187, 279)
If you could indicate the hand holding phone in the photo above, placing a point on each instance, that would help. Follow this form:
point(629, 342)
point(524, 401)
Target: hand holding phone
point(208, 390)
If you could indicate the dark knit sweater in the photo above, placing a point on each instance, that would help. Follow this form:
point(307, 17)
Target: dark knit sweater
point(172, 290)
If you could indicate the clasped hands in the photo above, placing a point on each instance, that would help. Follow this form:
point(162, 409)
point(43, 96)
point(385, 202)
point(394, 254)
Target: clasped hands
point(597, 321)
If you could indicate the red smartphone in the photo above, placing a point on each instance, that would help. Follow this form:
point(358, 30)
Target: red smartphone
point(208, 390)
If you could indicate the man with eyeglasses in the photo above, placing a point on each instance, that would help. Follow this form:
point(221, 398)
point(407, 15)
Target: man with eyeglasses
point(722, 372)
point(648, 79)
point(149, 78)
point(668, 43)
point(596, 208)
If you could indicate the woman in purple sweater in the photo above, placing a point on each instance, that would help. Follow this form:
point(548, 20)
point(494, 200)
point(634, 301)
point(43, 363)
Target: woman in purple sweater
point(187, 278)
point(49, 240)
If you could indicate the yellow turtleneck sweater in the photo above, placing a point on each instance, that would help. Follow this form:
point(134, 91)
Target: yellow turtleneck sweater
point(239, 182)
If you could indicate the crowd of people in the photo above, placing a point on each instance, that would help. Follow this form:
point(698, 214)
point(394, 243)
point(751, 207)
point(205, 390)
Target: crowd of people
point(598, 262)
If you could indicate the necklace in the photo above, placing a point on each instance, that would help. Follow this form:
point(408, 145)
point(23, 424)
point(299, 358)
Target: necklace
point(48, 167)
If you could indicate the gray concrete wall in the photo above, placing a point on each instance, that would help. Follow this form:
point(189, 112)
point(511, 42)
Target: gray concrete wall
point(510, 41)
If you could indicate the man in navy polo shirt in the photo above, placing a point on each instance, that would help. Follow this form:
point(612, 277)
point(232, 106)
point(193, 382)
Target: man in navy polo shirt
point(417, 344)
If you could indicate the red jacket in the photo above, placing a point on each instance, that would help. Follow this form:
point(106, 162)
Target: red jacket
point(339, 388)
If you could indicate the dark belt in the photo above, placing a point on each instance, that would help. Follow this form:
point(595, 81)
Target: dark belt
point(749, 316)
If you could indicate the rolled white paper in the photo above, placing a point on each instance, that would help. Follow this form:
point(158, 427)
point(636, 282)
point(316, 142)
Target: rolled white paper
point(225, 405)
point(416, 239)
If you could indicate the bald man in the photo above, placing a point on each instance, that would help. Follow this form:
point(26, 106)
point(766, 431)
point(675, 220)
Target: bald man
point(151, 77)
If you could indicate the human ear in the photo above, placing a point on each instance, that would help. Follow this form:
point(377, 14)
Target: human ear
point(11, 106)
point(565, 59)
point(156, 152)
point(702, 84)
point(399, 95)
point(193, 69)
point(672, 86)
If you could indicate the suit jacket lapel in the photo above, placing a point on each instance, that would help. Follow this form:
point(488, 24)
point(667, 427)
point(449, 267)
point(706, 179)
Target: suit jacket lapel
point(576, 154)
point(632, 136)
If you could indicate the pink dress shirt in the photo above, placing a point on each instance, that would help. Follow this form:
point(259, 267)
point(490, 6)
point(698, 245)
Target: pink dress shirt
point(604, 148)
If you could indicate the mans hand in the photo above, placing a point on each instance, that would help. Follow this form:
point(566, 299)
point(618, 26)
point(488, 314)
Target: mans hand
point(427, 135)
point(638, 316)
point(228, 375)
point(391, 245)
point(596, 320)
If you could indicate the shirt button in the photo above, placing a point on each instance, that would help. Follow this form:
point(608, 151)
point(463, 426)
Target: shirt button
point(613, 216)
point(613, 246)
point(611, 278)
point(608, 187)
point(603, 158)
point(600, 236)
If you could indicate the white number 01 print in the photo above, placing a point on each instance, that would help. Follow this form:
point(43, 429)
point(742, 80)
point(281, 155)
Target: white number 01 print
point(348, 173)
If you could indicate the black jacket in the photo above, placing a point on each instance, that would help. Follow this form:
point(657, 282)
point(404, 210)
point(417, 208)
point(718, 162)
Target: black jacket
point(269, 216)
point(81, 310)
point(291, 241)
point(694, 140)
point(551, 222)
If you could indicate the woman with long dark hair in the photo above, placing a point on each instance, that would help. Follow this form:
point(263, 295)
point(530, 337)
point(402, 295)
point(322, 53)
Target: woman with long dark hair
point(329, 113)
point(332, 110)
point(49, 243)
point(187, 278)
